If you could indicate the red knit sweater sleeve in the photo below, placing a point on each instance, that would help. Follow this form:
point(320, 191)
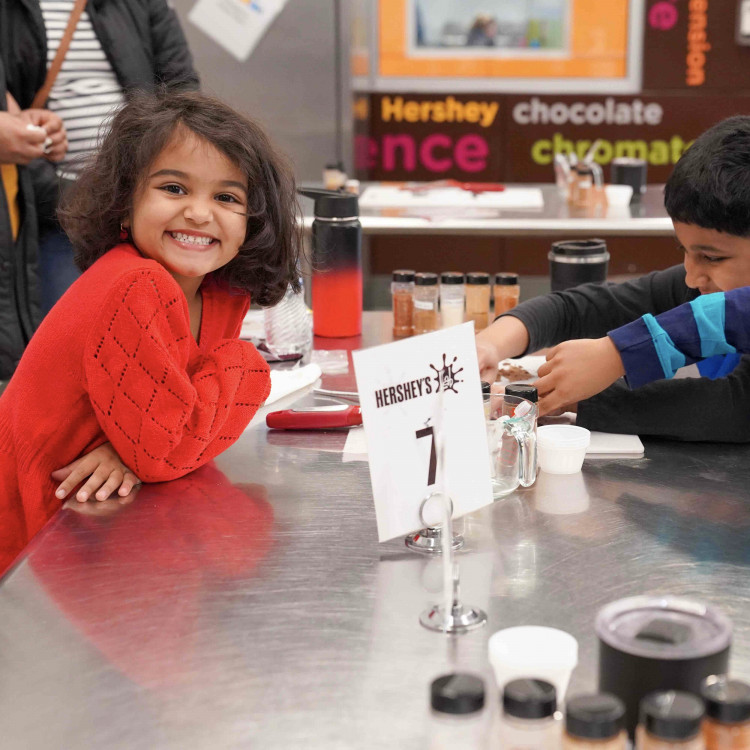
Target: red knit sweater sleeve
point(167, 406)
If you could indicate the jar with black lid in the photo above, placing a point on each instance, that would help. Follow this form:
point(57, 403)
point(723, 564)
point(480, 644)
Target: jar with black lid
point(528, 721)
point(670, 720)
point(425, 302)
point(402, 294)
point(595, 722)
point(458, 718)
point(478, 299)
point(727, 723)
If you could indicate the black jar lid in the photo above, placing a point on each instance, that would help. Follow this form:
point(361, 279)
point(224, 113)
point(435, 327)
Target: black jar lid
point(595, 717)
point(506, 279)
point(671, 714)
point(529, 699)
point(593, 246)
point(403, 275)
point(425, 279)
point(522, 390)
point(477, 277)
point(486, 388)
point(727, 701)
point(457, 693)
point(451, 277)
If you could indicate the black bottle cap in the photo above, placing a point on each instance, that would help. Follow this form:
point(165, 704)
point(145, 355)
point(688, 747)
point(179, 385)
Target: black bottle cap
point(727, 701)
point(332, 204)
point(477, 277)
point(522, 390)
point(595, 717)
point(451, 277)
point(457, 693)
point(403, 275)
point(425, 279)
point(529, 699)
point(671, 714)
point(486, 388)
point(506, 279)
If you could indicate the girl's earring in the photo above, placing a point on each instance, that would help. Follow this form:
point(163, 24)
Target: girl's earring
point(123, 232)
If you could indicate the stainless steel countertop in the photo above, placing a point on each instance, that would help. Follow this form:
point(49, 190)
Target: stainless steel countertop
point(214, 613)
point(646, 217)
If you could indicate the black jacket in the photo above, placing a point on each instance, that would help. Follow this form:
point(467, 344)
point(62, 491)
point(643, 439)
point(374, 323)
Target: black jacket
point(19, 300)
point(142, 40)
point(683, 409)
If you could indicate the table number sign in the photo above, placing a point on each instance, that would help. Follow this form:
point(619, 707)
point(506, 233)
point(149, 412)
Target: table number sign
point(418, 395)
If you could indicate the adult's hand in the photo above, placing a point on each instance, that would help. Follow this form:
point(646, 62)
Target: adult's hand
point(52, 123)
point(19, 144)
point(506, 337)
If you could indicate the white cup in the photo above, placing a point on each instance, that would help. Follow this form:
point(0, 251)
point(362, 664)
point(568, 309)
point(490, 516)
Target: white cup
point(533, 651)
point(561, 448)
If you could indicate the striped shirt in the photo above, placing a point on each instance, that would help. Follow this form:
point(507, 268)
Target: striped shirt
point(86, 91)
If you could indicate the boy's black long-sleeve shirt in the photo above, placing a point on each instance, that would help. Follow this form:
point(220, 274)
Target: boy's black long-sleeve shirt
point(683, 409)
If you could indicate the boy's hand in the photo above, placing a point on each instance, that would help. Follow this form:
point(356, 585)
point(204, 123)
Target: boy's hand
point(489, 358)
point(576, 370)
point(107, 474)
point(56, 142)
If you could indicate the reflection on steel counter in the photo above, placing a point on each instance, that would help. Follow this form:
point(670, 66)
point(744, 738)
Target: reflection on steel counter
point(177, 542)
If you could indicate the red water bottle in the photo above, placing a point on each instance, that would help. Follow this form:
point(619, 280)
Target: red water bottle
point(336, 264)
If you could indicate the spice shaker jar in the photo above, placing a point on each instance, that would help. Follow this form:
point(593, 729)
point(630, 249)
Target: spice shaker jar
point(670, 720)
point(478, 299)
point(595, 722)
point(727, 722)
point(507, 292)
point(452, 295)
point(402, 295)
point(458, 718)
point(528, 721)
point(425, 302)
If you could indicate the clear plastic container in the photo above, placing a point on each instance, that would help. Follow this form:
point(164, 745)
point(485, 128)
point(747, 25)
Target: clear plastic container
point(478, 299)
point(528, 721)
point(425, 302)
point(402, 295)
point(288, 326)
point(507, 292)
point(458, 718)
point(452, 298)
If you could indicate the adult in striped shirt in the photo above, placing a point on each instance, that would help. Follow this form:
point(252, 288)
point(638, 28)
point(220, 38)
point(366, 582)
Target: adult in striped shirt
point(117, 46)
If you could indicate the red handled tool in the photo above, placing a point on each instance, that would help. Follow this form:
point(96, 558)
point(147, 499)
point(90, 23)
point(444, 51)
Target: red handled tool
point(315, 418)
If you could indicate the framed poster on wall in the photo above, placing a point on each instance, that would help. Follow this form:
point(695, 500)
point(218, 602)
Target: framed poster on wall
point(585, 46)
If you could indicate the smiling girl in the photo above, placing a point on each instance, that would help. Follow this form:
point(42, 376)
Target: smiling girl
point(186, 212)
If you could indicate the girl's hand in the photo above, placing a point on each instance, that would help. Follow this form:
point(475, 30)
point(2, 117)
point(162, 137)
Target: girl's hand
point(107, 474)
point(576, 370)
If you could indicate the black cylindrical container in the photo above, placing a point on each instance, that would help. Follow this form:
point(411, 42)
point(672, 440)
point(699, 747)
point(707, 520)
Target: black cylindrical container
point(574, 262)
point(337, 263)
point(629, 171)
point(648, 644)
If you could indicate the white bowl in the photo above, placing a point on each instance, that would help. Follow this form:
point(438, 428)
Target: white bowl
point(561, 448)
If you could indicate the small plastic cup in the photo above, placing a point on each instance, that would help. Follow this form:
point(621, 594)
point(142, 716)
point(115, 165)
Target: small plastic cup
point(533, 651)
point(562, 448)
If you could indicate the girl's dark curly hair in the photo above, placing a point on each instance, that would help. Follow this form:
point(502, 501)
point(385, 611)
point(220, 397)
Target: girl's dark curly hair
point(102, 196)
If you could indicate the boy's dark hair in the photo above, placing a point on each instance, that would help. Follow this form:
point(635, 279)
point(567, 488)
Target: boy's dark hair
point(710, 184)
point(103, 194)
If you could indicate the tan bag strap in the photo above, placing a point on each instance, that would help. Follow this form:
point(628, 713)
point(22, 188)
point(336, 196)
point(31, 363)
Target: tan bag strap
point(43, 94)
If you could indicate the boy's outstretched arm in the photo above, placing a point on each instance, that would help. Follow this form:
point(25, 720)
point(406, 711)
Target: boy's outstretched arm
point(650, 348)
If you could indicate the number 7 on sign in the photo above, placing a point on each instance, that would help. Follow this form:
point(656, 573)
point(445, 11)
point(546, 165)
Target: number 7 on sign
point(432, 471)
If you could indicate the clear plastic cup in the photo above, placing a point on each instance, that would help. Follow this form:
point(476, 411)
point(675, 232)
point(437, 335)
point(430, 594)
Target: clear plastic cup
point(533, 651)
point(562, 447)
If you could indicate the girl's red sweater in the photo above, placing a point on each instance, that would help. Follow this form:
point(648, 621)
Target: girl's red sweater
point(115, 360)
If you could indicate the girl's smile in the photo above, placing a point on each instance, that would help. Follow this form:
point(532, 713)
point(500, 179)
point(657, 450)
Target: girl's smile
point(189, 213)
